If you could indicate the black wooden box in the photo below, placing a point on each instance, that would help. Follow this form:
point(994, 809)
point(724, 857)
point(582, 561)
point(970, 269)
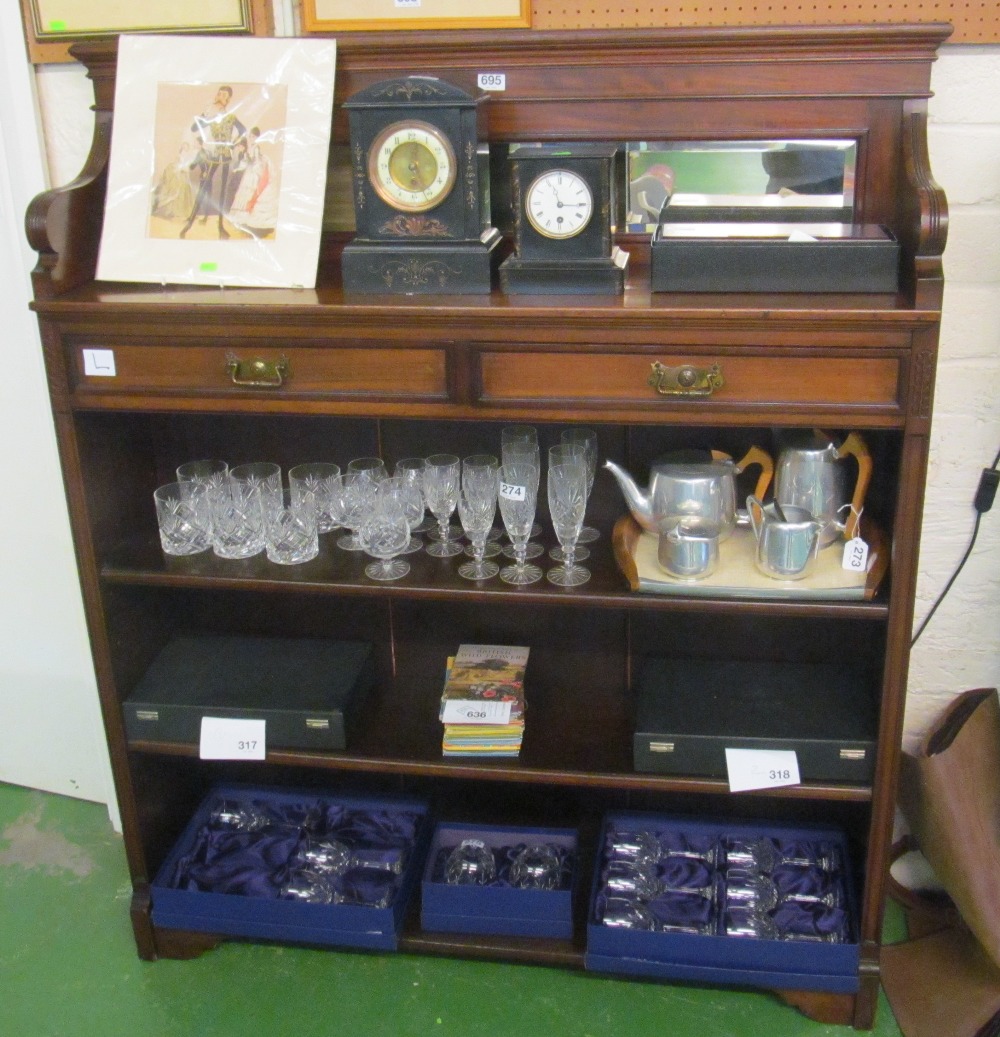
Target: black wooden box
point(770, 258)
point(307, 690)
point(689, 712)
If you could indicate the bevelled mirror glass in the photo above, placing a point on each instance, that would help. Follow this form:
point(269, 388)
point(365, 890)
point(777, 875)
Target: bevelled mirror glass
point(787, 181)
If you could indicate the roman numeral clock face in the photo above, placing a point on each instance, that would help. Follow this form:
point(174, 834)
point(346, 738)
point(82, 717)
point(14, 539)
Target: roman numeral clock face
point(559, 204)
point(412, 166)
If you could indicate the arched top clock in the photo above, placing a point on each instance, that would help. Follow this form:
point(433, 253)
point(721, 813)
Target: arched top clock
point(420, 184)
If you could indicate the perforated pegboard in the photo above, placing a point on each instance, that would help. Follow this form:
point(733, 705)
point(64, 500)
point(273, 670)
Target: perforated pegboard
point(975, 21)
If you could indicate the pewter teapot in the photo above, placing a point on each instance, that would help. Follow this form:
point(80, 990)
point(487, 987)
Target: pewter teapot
point(810, 475)
point(699, 484)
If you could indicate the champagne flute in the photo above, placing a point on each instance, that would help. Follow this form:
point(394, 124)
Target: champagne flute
point(567, 486)
point(564, 453)
point(477, 507)
point(442, 479)
point(517, 495)
point(587, 439)
point(524, 451)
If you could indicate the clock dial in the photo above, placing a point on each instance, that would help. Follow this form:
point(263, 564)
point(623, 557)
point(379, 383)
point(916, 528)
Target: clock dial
point(559, 204)
point(412, 166)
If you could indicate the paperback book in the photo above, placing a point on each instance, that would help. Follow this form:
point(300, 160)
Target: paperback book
point(483, 702)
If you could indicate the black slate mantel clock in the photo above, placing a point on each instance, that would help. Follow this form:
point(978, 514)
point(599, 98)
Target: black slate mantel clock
point(420, 182)
point(563, 200)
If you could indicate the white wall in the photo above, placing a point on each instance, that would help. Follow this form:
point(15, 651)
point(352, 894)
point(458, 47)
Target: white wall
point(50, 732)
point(960, 648)
point(43, 668)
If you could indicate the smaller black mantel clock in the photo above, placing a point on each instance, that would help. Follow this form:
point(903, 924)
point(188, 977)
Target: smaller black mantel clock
point(563, 200)
point(421, 191)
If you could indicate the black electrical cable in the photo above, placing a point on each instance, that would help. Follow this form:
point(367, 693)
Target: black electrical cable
point(980, 511)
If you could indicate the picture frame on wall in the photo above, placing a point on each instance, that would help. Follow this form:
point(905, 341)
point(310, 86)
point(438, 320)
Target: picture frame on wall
point(218, 165)
point(51, 26)
point(348, 15)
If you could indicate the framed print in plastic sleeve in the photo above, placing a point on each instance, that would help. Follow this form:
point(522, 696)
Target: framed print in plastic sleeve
point(218, 161)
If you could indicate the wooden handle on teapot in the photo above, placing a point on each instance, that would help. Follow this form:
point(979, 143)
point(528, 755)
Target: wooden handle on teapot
point(757, 455)
point(856, 446)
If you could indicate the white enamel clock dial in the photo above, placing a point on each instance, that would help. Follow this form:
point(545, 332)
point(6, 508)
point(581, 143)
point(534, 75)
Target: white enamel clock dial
point(559, 204)
point(412, 166)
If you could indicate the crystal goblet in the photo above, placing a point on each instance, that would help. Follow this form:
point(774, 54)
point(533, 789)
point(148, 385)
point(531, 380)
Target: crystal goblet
point(231, 813)
point(626, 913)
point(360, 482)
point(536, 867)
point(386, 531)
point(471, 863)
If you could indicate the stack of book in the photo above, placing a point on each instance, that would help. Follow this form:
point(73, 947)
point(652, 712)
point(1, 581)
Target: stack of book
point(482, 706)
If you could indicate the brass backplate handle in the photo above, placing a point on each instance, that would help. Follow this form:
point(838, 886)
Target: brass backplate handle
point(686, 380)
point(257, 373)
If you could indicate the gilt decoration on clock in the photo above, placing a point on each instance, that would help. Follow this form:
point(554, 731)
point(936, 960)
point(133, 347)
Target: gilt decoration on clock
point(421, 190)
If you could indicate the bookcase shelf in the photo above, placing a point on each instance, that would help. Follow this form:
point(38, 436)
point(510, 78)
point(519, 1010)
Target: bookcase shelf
point(403, 376)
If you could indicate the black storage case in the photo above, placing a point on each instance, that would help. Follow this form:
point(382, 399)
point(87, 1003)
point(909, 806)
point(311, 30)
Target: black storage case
point(689, 712)
point(307, 690)
point(865, 259)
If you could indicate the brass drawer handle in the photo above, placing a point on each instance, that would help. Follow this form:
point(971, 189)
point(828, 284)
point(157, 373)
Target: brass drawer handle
point(257, 373)
point(686, 380)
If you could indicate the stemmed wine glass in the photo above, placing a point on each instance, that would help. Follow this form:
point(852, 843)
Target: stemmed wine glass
point(442, 480)
point(587, 439)
point(517, 495)
point(360, 482)
point(567, 486)
point(386, 531)
point(477, 507)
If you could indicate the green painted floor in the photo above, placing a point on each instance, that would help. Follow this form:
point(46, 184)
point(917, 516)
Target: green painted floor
point(68, 969)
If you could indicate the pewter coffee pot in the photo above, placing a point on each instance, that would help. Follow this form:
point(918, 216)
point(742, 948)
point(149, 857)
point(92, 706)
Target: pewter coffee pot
point(811, 474)
point(691, 484)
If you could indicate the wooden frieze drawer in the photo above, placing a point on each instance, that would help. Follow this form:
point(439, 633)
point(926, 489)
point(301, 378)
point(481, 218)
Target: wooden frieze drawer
point(716, 380)
point(344, 371)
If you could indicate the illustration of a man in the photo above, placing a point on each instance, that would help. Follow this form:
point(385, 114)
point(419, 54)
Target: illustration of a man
point(218, 131)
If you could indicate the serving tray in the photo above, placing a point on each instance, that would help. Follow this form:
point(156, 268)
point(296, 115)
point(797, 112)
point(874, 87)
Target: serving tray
point(737, 576)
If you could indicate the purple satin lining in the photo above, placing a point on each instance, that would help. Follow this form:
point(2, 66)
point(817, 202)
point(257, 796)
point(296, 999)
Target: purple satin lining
point(794, 918)
point(224, 859)
point(804, 868)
